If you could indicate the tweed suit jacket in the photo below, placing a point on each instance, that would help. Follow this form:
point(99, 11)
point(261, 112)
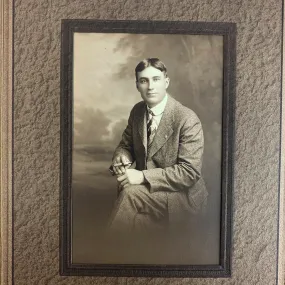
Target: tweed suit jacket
point(174, 160)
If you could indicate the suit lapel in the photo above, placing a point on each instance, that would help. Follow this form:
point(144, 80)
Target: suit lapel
point(165, 128)
point(140, 119)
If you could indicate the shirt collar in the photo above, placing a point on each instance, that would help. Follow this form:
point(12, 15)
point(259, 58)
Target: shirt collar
point(159, 108)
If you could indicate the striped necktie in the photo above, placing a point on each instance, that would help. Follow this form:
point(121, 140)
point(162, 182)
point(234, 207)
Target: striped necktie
point(151, 127)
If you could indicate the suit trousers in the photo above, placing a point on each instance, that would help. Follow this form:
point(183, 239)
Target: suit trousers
point(137, 210)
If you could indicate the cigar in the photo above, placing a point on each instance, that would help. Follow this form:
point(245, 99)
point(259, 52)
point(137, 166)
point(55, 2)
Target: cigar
point(118, 164)
point(122, 164)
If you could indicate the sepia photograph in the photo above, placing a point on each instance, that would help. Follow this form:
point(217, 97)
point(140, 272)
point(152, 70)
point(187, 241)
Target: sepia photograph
point(146, 149)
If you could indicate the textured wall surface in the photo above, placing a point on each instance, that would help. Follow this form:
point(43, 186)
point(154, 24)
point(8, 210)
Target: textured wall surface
point(37, 131)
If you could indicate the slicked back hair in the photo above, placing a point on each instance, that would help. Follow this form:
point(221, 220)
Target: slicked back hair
point(154, 62)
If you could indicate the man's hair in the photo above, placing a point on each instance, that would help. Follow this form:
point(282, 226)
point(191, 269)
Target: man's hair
point(154, 62)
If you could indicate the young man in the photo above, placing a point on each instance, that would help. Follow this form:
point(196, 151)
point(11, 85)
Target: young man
point(165, 140)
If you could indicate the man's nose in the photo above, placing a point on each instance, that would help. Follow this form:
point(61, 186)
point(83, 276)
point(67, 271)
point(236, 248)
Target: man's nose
point(150, 85)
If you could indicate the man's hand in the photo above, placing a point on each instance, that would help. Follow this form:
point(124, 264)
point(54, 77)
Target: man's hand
point(131, 177)
point(120, 164)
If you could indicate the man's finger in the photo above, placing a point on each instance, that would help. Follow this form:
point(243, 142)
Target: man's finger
point(122, 169)
point(126, 185)
point(120, 161)
point(124, 182)
point(117, 160)
point(117, 170)
point(124, 160)
point(122, 177)
point(127, 166)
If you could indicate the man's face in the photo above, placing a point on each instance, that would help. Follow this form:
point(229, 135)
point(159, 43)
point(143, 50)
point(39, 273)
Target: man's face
point(152, 85)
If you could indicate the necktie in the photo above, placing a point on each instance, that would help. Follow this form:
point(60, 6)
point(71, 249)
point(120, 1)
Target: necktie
point(151, 127)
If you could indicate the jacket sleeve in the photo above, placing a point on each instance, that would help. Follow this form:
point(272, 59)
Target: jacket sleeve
point(125, 146)
point(187, 171)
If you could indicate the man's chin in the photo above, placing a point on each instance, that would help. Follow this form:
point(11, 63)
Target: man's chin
point(151, 102)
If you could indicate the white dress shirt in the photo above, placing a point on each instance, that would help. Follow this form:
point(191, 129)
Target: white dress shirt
point(158, 110)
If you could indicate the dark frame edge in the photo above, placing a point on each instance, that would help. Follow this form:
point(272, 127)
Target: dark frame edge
point(66, 149)
point(228, 147)
point(69, 27)
point(127, 270)
point(70, 271)
point(150, 27)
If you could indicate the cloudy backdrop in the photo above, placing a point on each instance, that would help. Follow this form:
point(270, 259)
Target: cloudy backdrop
point(105, 92)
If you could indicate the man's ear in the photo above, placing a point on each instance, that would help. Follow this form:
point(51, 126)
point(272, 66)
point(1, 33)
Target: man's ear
point(167, 81)
point(137, 85)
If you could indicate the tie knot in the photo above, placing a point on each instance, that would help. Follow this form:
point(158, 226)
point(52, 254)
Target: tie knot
point(150, 113)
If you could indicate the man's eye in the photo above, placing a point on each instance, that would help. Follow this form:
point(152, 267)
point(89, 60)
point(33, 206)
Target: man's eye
point(143, 81)
point(156, 79)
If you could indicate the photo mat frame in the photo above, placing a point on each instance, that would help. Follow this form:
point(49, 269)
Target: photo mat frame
point(242, 268)
point(228, 32)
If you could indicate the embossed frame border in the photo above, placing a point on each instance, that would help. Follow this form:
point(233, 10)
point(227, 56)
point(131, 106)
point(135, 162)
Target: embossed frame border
point(228, 31)
point(6, 141)
point(6, 158)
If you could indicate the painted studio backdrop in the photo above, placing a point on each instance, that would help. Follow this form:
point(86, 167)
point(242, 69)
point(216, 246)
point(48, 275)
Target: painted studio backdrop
point(105, 92)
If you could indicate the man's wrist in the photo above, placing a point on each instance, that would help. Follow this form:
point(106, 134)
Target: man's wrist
point(143, 178)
